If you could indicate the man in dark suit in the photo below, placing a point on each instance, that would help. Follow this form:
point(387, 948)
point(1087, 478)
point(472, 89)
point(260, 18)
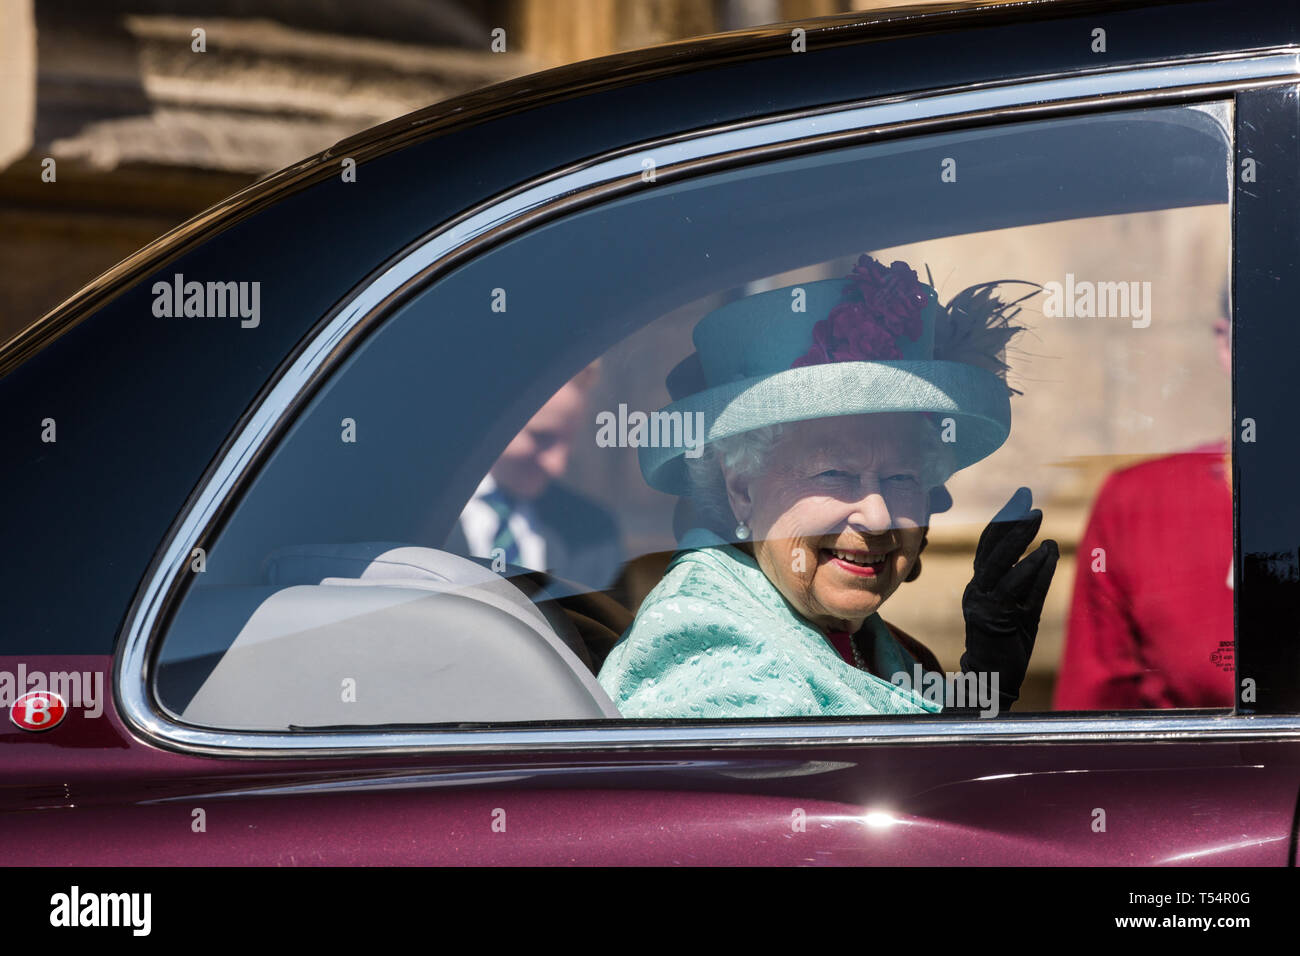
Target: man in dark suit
point(522, 515)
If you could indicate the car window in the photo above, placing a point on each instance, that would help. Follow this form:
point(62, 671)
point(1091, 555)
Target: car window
point(733, 447)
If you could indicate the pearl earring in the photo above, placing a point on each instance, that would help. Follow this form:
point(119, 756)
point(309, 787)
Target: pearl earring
point(742, 531)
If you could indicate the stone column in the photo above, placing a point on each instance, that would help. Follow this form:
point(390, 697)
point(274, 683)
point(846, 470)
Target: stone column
point(17, 78)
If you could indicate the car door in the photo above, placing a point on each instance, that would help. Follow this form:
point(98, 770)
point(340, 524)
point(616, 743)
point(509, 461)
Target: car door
point(373, 435)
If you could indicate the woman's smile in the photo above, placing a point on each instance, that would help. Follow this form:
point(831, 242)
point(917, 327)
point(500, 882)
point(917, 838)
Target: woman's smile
point(860, 564)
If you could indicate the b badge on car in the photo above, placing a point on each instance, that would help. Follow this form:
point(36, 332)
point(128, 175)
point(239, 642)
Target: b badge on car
point(38, 710)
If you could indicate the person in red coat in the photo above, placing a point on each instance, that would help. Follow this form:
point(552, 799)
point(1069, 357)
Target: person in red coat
point(1150, 622)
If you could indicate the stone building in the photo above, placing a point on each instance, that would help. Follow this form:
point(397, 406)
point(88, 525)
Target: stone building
point(144, 131)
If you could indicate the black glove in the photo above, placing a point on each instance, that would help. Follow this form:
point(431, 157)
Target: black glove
point(1004, 600)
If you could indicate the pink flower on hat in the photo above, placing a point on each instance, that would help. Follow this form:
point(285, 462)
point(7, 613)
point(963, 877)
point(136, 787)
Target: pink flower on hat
point(880, 305)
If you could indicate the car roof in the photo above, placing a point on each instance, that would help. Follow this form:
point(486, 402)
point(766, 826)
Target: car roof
point(704, 52)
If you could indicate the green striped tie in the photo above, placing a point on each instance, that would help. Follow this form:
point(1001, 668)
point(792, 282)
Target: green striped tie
point(505, 538)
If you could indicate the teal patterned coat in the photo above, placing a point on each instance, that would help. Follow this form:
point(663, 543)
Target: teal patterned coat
point(715, 638)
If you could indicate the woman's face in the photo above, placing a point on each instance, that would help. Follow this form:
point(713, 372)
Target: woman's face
point(837, 513)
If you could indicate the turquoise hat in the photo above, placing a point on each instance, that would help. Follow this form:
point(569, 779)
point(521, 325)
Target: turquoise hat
point(861, 345)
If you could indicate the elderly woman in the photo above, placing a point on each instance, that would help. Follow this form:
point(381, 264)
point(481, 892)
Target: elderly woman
point(834, 412)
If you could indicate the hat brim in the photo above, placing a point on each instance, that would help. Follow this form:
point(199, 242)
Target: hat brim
point(976, 400)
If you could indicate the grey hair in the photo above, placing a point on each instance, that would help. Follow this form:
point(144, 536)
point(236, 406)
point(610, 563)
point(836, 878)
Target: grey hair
point(746, 454)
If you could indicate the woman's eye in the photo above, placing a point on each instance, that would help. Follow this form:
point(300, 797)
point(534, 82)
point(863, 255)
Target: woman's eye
point(902, 479)
point(833, 473)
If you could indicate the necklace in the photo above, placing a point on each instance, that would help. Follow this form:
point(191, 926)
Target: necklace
point(858, 662)
point(850, 654)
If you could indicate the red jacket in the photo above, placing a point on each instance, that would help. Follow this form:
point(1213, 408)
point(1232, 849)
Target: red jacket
point(1154, 628)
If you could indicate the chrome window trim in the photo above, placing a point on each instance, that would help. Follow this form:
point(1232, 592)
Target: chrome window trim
point(564, 191)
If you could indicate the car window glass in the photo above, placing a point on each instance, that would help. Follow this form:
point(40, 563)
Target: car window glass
point(857, 357)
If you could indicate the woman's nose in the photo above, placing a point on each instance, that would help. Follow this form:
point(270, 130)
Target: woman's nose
point(871, 514)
